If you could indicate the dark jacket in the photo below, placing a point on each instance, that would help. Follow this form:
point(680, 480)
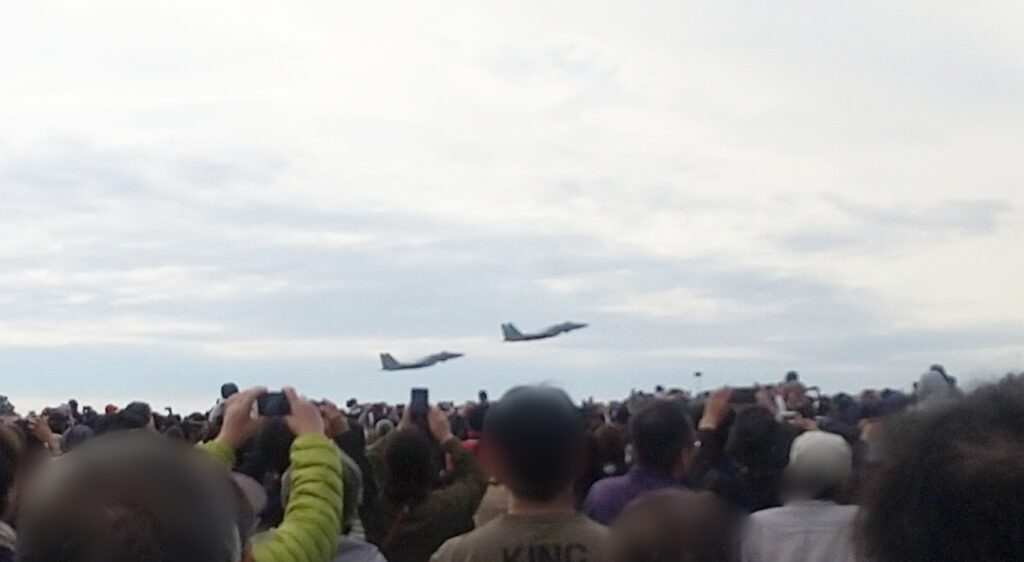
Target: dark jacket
point(412, 533)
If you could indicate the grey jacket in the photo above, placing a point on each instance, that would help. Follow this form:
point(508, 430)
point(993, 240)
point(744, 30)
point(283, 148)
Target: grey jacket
point(804, 531)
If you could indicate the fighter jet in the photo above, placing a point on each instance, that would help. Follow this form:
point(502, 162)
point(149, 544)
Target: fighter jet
point(513, 334)
point(389, 363)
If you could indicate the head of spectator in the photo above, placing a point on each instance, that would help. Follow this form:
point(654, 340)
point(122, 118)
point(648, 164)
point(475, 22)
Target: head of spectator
point(131, 497)
point(893, 402)
point(675, 526)
point(122, 420)
point(383, 427)
point(475, 419)
point(411, 473)
point(951, 482)
point(227, 390)
point(142, 412)
point(535, 438)
point(794, 394)
point(58, 420)
point(352, 441)
point(30, 434)
point(89, 417)
point(663, 438)
point(756, 441)
point(460, 428)
point(75, 436)
point(593, 416)
point(618, 414)
point(819, 463)
point(272, 445)
point(936, 385)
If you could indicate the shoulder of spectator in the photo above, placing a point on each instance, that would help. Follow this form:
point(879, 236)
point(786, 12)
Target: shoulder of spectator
point(377, 448)
point(219, 451)
point(316, 445)
point(449, 550)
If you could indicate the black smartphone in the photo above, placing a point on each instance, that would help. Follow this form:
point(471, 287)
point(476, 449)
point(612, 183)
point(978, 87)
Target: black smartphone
point(419, 403)
point(273, 404)
point(746, 395)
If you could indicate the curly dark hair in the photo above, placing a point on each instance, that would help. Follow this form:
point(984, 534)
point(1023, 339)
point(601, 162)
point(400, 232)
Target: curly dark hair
point(411, 473)
point(952, 484)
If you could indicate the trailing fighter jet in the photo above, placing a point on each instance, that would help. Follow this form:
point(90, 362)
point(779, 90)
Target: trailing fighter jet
point(512, 334)
point(389, 363)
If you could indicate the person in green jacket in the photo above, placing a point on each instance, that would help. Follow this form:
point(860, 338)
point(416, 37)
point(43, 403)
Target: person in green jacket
point(312, 519)
point(135, 496)
point(413, 515)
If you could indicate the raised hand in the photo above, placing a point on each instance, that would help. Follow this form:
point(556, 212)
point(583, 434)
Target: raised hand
point(437, 421)
point(305, 417)
point(335, 422)
point(239, 424)
point(716, 409)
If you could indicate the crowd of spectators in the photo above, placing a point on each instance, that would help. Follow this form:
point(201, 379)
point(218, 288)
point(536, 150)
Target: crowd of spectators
point(779, 472)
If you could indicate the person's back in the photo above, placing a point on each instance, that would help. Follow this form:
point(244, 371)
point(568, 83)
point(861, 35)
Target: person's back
point(806, 531)
point(494, 504)
point(535, 438)
point(663, 440)
point(531, 536)
point(811, 527)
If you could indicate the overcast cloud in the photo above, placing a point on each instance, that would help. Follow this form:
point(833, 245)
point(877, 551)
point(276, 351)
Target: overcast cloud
point(275, 192)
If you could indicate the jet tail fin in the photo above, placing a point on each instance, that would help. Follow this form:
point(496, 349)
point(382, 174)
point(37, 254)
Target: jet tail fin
point(388, 362)
point(511, 333)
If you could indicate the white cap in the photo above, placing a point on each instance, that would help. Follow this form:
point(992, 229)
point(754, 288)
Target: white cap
point(818, 461)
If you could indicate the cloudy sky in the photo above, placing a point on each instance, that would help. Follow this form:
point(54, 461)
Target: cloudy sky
point(274, 192)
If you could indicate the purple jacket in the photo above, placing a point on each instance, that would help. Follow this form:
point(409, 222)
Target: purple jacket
point(608, 497)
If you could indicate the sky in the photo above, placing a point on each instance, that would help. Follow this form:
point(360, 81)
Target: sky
point(275, 192)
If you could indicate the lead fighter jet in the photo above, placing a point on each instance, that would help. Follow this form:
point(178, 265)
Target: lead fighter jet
point(389, 363)
point(513, 334)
